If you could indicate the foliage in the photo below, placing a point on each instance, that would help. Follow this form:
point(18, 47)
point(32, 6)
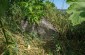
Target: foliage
point(33, 10)
point(76, 33)
point(69, 33)
point(59, 20)
point(4, 4)
point(10, 19)
point(78, 11)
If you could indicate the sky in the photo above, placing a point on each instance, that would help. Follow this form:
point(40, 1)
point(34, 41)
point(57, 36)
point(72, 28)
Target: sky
point(60, 4)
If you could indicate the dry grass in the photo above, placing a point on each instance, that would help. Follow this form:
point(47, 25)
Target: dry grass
point(33, 48)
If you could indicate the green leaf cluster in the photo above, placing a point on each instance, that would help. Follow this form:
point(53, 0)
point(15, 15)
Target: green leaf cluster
point(33, 10)
point(77, 11)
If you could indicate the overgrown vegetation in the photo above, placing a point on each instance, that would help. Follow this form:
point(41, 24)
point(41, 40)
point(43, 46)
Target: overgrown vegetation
point(67, 37)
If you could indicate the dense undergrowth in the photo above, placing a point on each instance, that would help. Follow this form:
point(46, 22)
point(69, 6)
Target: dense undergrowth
point(23, 33)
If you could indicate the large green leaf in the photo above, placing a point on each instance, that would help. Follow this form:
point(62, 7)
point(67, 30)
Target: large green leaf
point(77, 11)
